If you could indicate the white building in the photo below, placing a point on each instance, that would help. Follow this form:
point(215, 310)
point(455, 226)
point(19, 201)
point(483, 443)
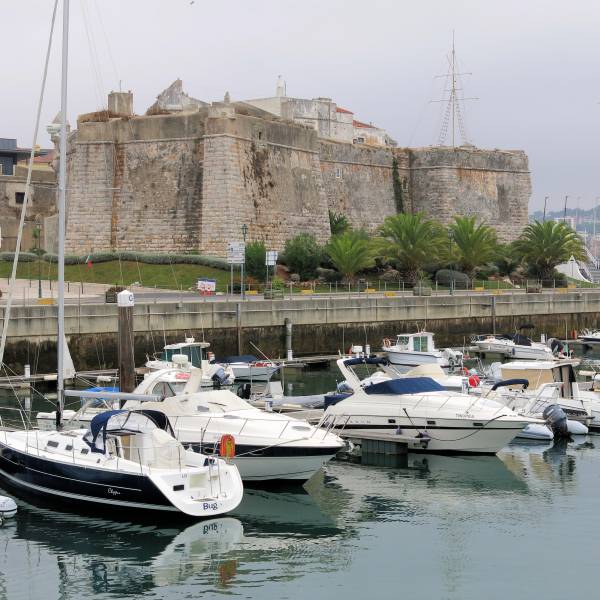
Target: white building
point(324, 115)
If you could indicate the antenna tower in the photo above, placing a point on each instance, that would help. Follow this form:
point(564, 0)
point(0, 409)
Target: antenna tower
point(453, 117)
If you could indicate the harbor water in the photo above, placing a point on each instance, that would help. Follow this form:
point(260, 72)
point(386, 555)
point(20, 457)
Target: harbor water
point(519, 525)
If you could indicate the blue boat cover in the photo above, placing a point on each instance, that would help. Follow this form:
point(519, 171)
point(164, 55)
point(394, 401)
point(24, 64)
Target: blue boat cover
point(405, 385)
point(371, 360)
point(124, 421)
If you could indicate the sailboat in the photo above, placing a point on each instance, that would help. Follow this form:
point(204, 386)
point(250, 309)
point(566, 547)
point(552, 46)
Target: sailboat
point(127, 459)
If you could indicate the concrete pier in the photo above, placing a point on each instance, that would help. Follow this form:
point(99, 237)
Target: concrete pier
point(321, 325)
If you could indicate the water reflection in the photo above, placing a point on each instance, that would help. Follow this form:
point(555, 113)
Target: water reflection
point(315, 540)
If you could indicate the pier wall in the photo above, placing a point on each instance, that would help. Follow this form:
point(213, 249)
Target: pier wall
point(320, 325)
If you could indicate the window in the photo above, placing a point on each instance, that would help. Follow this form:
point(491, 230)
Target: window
point(420, 344)
point(360, 140)
point(19, 197)
point(338, 172)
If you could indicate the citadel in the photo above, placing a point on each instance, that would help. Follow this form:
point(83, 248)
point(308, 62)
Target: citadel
point(186, 175)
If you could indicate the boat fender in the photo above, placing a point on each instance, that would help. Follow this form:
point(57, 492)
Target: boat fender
point(8, 508)
point(474, 381)
point(387, 342)
point(557, 420)
point(227, 446)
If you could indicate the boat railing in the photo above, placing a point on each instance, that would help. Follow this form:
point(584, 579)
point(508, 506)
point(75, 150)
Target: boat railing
point(9, 424)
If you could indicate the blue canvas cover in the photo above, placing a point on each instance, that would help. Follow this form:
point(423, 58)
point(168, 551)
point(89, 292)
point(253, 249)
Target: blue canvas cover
point(123, 420)
point(405, 385)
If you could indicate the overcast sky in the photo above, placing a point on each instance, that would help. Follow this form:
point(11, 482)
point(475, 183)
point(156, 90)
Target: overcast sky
point(534, 67)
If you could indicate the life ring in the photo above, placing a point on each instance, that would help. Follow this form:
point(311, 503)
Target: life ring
point(474, 381)
point(387, 342)
point(227, 446)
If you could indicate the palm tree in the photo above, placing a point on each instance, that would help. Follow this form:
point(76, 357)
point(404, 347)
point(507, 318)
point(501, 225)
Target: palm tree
point(350, 252)
point(473, 245)
point(543, 246)
point(338, 223)
point(507, 260)
point(411, 241)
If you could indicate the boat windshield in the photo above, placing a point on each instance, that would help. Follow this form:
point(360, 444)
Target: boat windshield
point(421, 343)
point(195, 354)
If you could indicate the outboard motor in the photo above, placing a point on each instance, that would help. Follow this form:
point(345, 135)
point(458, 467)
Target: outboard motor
point(243, 391)
point(219, 378)
point(557, 420)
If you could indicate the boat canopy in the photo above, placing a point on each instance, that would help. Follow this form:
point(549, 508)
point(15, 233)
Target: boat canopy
point(405, 385)
point(371, 360)
point(124, 421)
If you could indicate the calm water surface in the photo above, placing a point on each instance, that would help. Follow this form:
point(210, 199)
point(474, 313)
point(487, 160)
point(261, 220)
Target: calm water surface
point(520, 525)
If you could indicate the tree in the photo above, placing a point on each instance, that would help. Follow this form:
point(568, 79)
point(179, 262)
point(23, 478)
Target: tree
point(255, 260)
point(543, 246)
point(338, 223)
point(507, 260)
point(302, 255)
point(411, 242)
point(351, 252)
point(472, 245)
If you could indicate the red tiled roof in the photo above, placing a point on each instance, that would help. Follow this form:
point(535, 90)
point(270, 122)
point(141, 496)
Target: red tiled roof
point(361, 124)
point(343, 110)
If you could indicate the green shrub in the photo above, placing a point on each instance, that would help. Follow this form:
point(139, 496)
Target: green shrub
point(302, 255)
point(23, 256)
point(255, 260)
point(446, 277)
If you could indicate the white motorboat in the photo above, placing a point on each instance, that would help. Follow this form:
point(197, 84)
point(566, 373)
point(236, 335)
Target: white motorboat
point(515, 346)
point(446, 421)
point(125, 459)
point(591, 336)
point(250, 368)
point(551, 382)
point(268, 445)
point(188, 354)
point(414, 349)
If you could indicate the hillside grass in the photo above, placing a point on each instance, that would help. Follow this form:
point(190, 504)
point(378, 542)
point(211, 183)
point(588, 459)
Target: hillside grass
point(177, 276)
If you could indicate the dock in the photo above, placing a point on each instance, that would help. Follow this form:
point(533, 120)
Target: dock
point(381, 448)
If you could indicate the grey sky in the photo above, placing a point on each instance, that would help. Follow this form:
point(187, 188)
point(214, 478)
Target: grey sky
point(534, 67)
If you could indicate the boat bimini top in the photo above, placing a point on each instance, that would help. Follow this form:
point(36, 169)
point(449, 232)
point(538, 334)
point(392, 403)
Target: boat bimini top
point(124, 421)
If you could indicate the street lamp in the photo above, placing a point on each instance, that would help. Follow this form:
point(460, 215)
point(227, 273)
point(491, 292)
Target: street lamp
point(244, 233)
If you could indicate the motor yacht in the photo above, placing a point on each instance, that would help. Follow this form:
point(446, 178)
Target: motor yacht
point(512, 345)
point(124, 459)
point(590, 336)
point(414, 349)
point(451, 422)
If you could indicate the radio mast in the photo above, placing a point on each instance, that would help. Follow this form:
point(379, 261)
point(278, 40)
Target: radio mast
point(453, 117)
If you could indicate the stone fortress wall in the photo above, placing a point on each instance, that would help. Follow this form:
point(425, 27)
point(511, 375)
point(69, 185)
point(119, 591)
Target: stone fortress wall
point(187, 180)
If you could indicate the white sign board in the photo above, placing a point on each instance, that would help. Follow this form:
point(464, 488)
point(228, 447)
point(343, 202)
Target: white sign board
point(236, 253)
point(207, 286)
point(271, 258)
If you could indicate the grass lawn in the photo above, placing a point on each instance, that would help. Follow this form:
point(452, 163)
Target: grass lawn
point(178, 276)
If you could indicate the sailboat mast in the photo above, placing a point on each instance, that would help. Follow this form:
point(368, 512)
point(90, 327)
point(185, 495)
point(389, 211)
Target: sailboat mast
point(62, 189)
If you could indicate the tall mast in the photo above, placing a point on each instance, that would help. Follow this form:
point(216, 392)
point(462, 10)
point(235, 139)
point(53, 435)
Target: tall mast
point(453, 117)
point(62, 189)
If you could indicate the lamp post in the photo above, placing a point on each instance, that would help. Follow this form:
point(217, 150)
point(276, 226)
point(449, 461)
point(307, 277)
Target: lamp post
point(37, 234)
point(244, 233)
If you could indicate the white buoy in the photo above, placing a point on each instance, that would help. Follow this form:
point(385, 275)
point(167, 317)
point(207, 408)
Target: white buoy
point(8, 507)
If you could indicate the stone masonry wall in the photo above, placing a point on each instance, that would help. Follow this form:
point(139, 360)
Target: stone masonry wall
point(135, 191)
point(265, 174)
point(188, 182)
point(493, 185)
